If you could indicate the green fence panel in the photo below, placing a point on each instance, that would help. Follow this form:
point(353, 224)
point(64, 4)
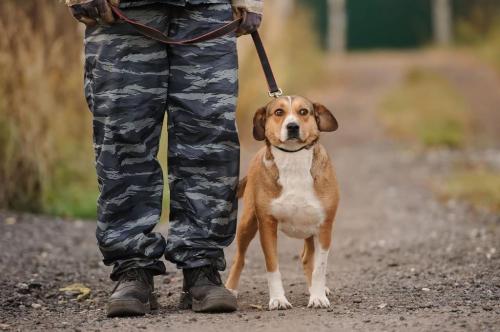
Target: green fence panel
point(388, 23)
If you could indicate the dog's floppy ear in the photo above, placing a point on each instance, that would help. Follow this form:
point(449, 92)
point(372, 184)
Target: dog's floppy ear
point(259, 124)
point(324, 118)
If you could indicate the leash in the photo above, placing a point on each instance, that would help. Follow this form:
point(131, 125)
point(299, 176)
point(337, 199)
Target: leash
point(274, 90)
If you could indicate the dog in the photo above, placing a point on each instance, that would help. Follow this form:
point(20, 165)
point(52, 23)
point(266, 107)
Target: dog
point(291, 186)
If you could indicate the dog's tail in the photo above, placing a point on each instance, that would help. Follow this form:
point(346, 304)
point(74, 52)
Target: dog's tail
point(241, 187)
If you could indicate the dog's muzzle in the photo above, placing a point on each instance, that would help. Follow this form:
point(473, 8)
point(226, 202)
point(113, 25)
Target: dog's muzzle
point(293, 130)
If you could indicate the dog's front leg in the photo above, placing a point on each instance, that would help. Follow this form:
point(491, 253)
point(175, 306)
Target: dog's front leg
point(268, 230)
point(318, 290)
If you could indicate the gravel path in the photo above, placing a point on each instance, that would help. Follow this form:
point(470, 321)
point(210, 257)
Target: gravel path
point(401, 259)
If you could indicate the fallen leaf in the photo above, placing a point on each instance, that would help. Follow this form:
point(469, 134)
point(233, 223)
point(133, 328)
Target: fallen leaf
point(10, 221)
point(81, 290)
point(256, 306)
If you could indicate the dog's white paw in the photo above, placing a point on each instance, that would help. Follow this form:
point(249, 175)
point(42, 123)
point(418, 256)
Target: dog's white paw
point(233, 291)
point(328, 292)
point(279, 303)
point(318, 302)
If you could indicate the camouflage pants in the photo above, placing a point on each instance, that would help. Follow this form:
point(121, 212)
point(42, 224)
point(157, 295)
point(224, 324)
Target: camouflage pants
point(131, 82)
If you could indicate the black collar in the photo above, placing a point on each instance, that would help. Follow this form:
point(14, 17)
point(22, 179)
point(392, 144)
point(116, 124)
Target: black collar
point(285, 150)
point(308, 146)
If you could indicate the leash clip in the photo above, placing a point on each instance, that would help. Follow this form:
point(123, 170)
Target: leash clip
point(276, 94)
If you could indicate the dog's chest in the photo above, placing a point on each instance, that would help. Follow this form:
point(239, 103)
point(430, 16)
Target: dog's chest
point(298, 210)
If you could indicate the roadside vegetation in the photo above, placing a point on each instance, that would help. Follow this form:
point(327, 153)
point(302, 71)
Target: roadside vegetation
point(478, 29)
point(491, 49)
point(479, 186)
point(477, 32)
point(46, 162)
point(427, 111)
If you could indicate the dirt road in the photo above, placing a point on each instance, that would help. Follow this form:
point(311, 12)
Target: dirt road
point(401, 260)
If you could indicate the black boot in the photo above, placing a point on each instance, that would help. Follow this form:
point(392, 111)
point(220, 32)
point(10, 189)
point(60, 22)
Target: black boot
point(203, 291)
point(133, 294)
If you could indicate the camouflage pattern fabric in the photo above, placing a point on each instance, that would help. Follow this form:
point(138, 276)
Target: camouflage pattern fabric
point(131, 82)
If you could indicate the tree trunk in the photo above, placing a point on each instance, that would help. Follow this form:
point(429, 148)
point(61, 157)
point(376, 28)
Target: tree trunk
point(337, 26)
point(442, 22)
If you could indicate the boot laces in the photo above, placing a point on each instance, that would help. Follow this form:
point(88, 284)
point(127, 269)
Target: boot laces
point(132, 275)
point(205, 275)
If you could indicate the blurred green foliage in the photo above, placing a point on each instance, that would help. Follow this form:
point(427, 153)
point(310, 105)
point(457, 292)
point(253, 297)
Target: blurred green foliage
point(477, 27)
point(475, 20)
point(479, 186)
point(45, 141)
point(426, 110)
point(319, 11)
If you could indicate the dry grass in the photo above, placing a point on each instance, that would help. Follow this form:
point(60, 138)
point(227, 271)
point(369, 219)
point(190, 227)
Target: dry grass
point(486, 46)
point(489, 50)
point(478, 29)
point(426, 110)
point(45, 146)
point(478, 186)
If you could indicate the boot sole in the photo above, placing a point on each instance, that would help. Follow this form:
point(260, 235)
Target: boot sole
point(213, 303)
point(127, 308)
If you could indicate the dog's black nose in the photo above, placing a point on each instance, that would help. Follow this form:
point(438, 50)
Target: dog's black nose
point(292, 126)
point(293, 130)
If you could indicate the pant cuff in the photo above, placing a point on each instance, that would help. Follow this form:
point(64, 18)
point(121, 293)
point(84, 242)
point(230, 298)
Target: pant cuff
point(156, 267)
point(194, 260)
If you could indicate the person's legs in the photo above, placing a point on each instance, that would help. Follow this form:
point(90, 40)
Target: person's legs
point(126, 78)
point(203, 153)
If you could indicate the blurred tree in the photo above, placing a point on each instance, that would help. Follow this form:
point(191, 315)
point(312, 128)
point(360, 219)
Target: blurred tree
point(475, 19)
point(45, 151)
point(319, 9)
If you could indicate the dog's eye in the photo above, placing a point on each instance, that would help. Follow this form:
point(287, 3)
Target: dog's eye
point(279, 112)
point(304, 111)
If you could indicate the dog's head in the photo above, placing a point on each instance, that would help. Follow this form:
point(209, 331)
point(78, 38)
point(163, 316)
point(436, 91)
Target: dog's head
point(291, 122)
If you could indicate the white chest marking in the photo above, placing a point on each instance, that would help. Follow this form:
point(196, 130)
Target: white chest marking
point(298, 210)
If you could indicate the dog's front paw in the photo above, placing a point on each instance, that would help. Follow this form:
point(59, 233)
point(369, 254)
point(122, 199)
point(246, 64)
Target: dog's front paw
point(318, 302)
point(279, 303)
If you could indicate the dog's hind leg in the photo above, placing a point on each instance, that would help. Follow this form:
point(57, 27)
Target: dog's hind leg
point(247, 228)
point(308, 259)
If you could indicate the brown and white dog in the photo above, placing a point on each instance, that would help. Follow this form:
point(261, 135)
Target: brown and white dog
point(290, 186)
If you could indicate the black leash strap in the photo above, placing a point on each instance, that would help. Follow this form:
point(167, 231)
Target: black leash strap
point(274, 90)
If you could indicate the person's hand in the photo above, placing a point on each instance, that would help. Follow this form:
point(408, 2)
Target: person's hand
point(91, 12)
point(250, 22)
